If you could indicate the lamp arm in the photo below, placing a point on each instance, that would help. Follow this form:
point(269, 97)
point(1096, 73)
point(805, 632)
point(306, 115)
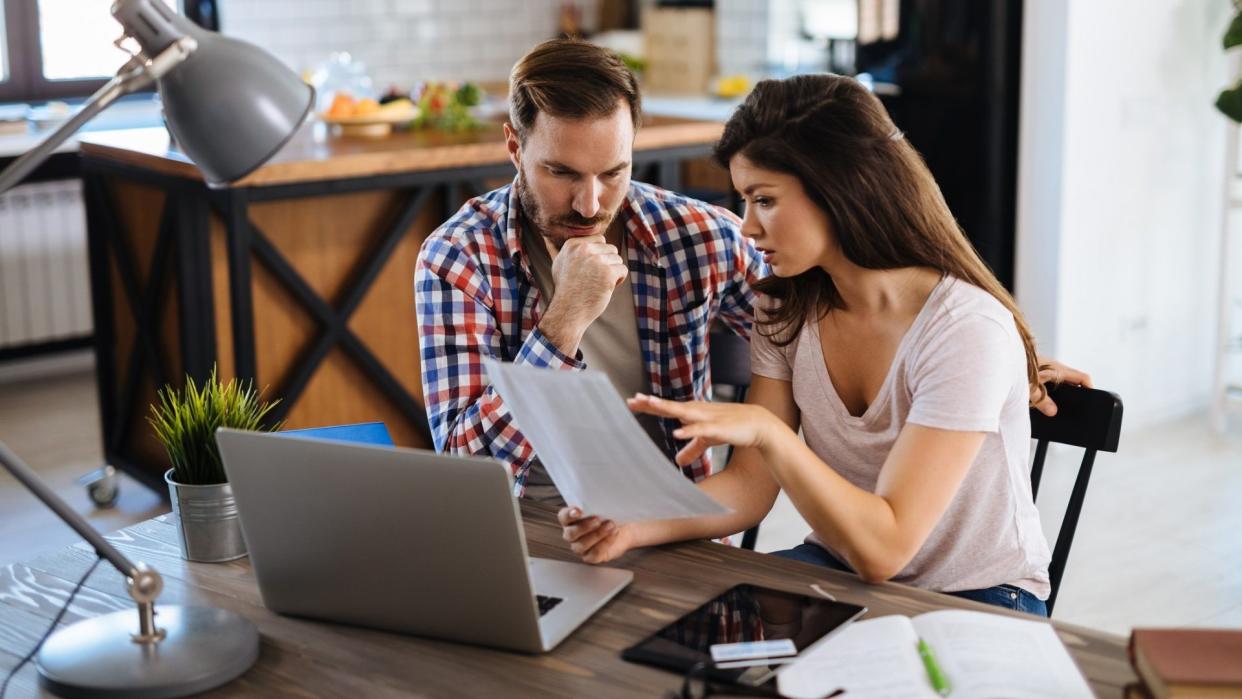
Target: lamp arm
point(137, 73)
point(26, 477)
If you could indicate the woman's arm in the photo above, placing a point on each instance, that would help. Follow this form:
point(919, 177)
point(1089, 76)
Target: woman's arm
point(745, 487)
point(877, 533)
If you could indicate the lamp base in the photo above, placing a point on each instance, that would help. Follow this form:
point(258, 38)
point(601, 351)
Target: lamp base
point(203, 648)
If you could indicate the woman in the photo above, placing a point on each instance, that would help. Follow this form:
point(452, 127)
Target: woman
point(887, 341)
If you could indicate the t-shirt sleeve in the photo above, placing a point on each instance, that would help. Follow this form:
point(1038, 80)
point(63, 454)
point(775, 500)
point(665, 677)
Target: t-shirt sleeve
point(767, 358)
point(963, 378)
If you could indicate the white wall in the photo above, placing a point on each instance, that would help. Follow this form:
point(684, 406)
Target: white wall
point(1120, 185)
point(403, 42)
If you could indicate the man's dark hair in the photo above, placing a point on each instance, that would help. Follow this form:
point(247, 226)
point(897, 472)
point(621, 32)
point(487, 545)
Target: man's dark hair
point(570, 79)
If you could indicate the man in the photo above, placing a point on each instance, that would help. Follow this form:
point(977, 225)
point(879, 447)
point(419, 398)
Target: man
point(573, 265)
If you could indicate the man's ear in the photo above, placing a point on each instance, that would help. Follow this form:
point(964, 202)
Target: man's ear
point(513, 145)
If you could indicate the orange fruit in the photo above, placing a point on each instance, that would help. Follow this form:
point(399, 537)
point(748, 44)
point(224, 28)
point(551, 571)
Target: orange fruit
point(365, 107)
point(342, 105)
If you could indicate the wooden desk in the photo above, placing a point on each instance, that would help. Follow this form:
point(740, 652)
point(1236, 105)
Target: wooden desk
point(308, 658)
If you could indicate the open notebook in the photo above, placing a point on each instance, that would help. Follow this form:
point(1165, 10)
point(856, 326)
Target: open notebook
point(983, 655)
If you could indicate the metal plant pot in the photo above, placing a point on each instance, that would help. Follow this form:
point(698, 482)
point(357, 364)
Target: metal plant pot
point(210, 531)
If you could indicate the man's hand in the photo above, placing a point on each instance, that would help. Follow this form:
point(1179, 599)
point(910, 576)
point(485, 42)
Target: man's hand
point(1052, 371)
point(586, 271)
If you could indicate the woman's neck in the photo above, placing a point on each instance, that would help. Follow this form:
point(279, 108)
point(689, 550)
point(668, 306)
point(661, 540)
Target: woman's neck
point(874, 292)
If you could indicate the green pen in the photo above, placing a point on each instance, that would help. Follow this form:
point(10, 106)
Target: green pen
point(939, 682)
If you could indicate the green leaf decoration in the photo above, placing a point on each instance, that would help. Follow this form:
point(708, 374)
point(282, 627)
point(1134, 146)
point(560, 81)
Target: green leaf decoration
point(185, 422)
point(1233, 35)
point(1229, 102)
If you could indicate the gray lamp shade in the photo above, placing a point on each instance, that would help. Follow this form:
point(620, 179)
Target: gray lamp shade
point(230, 105)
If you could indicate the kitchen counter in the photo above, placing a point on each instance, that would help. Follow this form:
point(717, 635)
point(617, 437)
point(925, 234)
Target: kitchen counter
point(314, 154)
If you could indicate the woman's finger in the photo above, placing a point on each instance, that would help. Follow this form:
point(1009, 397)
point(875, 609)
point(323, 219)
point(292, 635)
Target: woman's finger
point(1046, 406)
point(642, 403)
point(568, 515)
point(1074, 376)
point(586, 543)
point(692, 451)
point(1052, 371)
point(575, 532)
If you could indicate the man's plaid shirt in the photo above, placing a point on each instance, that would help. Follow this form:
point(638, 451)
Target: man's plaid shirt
point(476, 297)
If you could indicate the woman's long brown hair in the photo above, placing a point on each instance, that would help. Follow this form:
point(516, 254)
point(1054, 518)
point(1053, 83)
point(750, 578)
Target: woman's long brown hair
point(885, 208)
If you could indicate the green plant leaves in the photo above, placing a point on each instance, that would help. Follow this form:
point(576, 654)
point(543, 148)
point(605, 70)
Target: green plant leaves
point(1233, 35)
point(185, 422)
point(1229, 102)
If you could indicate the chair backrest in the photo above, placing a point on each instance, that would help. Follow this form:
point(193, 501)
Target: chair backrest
point(1087, 418)
point(729, 356)
point(363, 433)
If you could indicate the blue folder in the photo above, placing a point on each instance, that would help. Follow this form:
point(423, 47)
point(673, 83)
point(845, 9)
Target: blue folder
point(374, 433)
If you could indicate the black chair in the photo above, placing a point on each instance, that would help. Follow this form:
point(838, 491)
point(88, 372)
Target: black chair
point(1087, 418)
point(729, 356)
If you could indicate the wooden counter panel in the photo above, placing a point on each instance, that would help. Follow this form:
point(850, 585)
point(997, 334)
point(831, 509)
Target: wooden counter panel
point(140, 210)
point(340, 393)
point(328, 241)
point(218, 245)
point(283, 330)
point(386, 319)
point(327, 238)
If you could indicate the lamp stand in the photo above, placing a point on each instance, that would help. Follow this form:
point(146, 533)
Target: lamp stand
point(197, 649)
point(189, 650)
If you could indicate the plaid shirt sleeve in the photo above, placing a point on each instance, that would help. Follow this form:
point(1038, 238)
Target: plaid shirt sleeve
point(745, 267)
point(458, 325)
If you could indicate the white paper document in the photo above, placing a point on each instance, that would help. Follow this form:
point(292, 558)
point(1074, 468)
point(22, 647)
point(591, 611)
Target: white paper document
point(595, 451)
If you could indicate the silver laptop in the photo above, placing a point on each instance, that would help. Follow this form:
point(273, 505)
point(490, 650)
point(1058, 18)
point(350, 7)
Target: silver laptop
point(402, 540)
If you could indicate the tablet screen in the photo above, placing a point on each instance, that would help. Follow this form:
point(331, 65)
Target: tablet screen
point(742, 614)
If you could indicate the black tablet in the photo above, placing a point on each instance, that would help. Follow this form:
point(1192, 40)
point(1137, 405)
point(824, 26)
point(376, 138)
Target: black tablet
point(775, 626)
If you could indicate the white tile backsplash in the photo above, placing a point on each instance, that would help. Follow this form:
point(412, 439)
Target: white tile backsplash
point(407, 41)
point(402, 41)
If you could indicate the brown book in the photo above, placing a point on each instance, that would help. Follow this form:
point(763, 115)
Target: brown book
point(1189, 663)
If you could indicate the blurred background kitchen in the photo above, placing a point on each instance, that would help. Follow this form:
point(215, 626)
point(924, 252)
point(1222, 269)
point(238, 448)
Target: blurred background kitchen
point(1076, 142)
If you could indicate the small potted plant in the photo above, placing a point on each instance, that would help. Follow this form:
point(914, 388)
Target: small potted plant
point(185, 423)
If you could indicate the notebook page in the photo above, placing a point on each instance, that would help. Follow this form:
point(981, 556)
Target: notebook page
point(989, 655)
point(873, 659)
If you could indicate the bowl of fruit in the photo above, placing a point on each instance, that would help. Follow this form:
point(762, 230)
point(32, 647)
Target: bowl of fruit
point(366, 116)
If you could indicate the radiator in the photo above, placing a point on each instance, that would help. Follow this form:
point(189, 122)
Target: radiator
point(44, 282)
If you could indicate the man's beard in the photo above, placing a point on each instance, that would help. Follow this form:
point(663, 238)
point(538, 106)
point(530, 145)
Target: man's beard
point(545, 226)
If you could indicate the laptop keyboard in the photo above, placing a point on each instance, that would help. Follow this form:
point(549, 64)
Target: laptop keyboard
point(546, 603)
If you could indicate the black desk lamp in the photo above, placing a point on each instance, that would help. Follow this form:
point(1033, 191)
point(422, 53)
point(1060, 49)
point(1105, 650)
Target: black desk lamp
point(230, 106)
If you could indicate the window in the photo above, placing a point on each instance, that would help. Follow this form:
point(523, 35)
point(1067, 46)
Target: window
point(57, 49)
point(4, 49)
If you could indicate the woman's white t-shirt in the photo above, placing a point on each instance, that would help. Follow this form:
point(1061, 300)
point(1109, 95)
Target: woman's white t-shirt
point(961, 366)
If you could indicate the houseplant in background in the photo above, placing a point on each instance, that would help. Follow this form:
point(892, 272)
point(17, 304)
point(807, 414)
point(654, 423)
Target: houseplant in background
point(185, 422)
point(1229, 102)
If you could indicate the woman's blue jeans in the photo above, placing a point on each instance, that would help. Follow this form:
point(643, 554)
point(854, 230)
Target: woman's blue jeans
point(1006, 596)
